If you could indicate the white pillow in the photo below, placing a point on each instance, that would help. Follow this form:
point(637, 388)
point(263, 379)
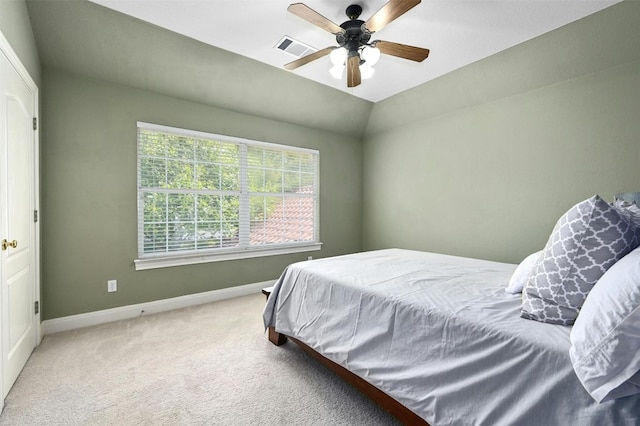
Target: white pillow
point(605, 339)
point(520, 275)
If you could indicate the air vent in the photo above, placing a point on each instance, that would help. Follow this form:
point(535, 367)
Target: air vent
point(294, 47)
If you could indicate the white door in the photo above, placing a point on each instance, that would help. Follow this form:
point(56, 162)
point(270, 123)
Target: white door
point(18, 254)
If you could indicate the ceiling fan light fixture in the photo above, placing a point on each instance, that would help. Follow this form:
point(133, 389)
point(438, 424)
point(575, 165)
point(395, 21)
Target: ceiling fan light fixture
point(366, 71)
point(336, 71)
point(338, 56)
point(371, 55)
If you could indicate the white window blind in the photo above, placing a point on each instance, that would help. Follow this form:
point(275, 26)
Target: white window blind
point(205, 194)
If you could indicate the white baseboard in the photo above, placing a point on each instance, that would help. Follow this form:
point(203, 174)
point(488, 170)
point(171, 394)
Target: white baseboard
point(131, 311)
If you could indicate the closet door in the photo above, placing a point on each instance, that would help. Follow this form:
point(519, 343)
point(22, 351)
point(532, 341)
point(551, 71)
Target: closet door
point(18, 254)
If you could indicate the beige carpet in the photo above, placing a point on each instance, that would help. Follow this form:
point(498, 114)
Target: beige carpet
point(206, 365)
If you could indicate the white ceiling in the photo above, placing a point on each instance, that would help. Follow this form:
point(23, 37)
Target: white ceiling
point(457, 32)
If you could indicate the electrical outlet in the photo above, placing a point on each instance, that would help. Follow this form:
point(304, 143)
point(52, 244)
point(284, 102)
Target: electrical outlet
point(310, 258)
point(112, 285)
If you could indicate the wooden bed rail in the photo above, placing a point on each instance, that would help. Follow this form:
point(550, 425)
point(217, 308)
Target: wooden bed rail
point(276, 338)
point(398, 410)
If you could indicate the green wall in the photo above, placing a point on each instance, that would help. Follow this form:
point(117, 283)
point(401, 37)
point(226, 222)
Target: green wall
point(89, 220)
point(16, 28)
point(87, 39)
point(483, 161)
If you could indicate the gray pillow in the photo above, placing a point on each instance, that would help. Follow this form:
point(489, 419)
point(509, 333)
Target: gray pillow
point(629, 210)
point(586, 241)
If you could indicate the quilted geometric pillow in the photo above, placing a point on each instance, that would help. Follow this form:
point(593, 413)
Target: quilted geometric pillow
point(586, 241)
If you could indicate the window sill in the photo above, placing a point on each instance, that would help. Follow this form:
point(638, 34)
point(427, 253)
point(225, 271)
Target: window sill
point(193, 259)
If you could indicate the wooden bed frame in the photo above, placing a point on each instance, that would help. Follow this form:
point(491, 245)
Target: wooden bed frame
point(398, 410)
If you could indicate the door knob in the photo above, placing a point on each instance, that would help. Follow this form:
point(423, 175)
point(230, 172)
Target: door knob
point(6, 244)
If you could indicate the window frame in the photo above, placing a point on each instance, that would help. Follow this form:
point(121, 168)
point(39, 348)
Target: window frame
point(198, 256)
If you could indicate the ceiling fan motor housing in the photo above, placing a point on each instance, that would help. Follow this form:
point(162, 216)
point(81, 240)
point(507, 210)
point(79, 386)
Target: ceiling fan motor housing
point(354, 36)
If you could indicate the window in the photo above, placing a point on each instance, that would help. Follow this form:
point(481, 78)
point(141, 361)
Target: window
point(205, 197)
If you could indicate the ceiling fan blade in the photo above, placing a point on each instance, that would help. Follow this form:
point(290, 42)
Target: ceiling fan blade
point(303, 11)
point(389, 12)
point(306, 59)
point(412, 53)
point(353, 71)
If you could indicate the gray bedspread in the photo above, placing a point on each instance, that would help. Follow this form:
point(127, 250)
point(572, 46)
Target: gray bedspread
point(439, 334)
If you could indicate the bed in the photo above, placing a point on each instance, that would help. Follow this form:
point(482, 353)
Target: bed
point(437, 336)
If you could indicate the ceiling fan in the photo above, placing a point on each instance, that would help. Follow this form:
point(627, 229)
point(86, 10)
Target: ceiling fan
point(353, 38)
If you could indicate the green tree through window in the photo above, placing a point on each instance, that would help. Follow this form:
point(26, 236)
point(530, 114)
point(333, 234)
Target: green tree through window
point(199, 191)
